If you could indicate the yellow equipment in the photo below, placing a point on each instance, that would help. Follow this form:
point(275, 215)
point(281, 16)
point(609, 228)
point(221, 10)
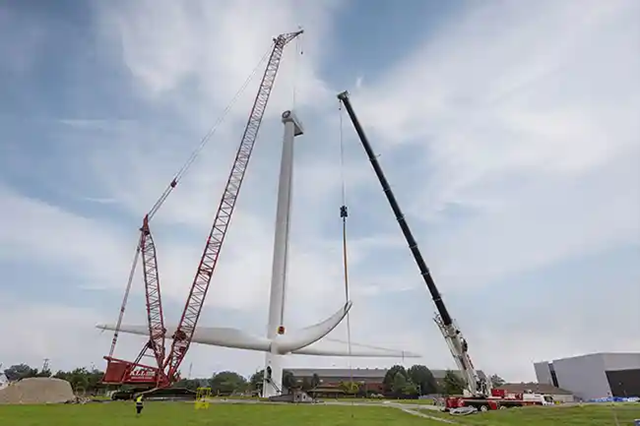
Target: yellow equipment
point(202, 398)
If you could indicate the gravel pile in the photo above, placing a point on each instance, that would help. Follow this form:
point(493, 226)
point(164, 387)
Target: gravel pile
point(37, 390)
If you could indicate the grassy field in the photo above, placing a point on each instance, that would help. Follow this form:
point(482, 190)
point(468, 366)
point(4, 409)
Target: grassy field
point(161, 414)
point(346, 400)
point(183, 414)
point(586, 415)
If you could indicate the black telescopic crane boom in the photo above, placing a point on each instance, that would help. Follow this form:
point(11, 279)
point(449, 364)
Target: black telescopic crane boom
point(424, 270)
point(476, 385)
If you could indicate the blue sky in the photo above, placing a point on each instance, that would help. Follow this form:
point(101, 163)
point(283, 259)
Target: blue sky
point(508, 131)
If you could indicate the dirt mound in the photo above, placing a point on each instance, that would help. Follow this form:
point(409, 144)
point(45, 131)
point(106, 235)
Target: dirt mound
point(37, 390)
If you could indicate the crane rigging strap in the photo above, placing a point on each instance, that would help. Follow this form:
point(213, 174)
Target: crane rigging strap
point(125, 298)
point(343, 215)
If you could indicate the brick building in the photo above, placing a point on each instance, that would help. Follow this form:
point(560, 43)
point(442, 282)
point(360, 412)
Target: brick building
point(369, 379)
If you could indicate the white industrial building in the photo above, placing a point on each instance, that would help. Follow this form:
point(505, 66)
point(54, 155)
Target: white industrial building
point(593, 376)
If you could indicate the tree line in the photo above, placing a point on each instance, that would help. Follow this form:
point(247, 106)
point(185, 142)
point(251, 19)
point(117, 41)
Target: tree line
point(89, 381)
point(398, 381)
point(419, 380)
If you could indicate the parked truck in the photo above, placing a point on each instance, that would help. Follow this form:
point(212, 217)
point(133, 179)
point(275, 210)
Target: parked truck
point(498, 400)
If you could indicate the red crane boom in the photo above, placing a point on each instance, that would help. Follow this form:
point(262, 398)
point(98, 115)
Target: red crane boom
point(166, 372)
point(195, 301)
point(155, 317)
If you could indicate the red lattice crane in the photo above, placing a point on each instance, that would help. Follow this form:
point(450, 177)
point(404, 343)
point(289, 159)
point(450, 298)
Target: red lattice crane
point(165, 369)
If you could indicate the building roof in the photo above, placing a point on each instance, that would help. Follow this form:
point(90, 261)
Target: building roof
point(439, 374)
point(592, 354)
point(360, 373)
point(357, 373)
point(326, 389)
point(542, 388)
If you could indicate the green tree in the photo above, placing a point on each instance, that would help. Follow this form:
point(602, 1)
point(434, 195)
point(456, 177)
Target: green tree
point(83, 380)
point(43, 373)
point(423, 378)
point(306, 384)
point(256, 380)
point(402, 385)
point(350, 388)
point(453, 384)
point(190, 384)
point(388, 380)
point(410, 388)
point(94, 380)
point(78, 379)
point(20, 371)
point(399, 383)
point(496, 381)
point(227, 382)
point(289, 381)
point(315, 381)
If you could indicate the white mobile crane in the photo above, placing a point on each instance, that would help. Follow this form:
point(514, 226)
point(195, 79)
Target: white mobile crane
point(478, 393)
point(476, 386)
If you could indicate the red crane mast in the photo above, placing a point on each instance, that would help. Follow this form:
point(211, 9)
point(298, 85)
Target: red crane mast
point(166, 370)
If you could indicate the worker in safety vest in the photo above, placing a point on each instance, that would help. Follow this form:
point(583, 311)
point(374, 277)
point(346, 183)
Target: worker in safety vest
point(139, 405)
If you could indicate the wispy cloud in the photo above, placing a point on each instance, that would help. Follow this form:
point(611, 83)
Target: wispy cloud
point(101, 200)
point(521, 127)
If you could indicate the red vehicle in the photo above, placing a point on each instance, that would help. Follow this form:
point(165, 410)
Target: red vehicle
point(499, 400)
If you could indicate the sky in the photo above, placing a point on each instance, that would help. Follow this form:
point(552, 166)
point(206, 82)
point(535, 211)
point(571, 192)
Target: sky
point(509, 133)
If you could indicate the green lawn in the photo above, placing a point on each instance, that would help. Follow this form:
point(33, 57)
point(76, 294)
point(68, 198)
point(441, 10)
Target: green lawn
point(410, 401)
point(172, 414)
point(183, 414)
point(586, 415)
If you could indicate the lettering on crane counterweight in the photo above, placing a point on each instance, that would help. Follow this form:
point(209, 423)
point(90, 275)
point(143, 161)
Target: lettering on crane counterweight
point(143, 374)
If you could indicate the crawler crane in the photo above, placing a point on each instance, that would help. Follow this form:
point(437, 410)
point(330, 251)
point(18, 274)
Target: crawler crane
point(164, 370)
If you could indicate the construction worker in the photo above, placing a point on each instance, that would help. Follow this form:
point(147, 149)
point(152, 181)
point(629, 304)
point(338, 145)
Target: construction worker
point(139, 405)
